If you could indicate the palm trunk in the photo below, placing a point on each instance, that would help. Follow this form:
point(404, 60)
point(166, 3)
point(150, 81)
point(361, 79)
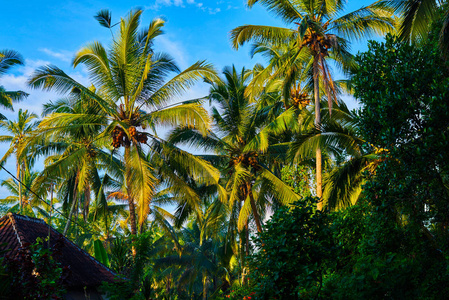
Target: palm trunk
point(132, 207)
point(49, 213)
point(75, 195)
point(19, 183)
point(67, 225)
point(254, 208)
point(247, 239)
point(204, 286)
point(86, 202)
point(316, 88)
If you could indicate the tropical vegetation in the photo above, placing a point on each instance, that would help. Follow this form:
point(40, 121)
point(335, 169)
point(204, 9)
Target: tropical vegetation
point(283, 192)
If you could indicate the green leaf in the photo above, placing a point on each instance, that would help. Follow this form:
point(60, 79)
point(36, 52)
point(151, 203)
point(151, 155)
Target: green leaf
point(100, 253)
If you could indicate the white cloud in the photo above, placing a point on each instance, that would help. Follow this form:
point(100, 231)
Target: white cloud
point(36, 98)
point(180, 3)
point(175, 50)
point(62, 55)
point(33, 103)
point(214, 11)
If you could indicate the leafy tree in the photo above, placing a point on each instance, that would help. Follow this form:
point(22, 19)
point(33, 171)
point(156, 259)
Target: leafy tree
point(206, 254)
point(295, 253)
point(322, 33)
point(404, 92)
point(75, 155)
point(349, 155)
point(34, 273)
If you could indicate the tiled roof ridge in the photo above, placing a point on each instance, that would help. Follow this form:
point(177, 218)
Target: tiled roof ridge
point(14, 226)
point(87, 254)
point(27, 218)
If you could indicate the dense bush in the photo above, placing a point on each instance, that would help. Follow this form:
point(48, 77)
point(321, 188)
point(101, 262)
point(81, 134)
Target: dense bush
point(34, 273)
point(294, 253)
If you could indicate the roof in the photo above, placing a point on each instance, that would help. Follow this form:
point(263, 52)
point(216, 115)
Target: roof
point(86, 271)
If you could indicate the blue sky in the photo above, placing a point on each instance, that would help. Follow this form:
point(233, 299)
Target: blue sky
point(50, 32)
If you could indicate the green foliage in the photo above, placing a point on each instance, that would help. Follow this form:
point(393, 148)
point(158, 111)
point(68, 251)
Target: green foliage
point(404, 90)
point(34, 273)
point(294, 253)
point(238, 292)
point(298, 177)
point(404, 242)
point(100, 253)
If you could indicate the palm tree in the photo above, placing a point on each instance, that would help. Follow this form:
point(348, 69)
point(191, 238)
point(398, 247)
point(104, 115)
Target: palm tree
point(241, 143)
point(131, 77)
point(340, 137)
point(18, 133)
point(30, 205)
point(75, 154)
point(417, 16)
point(318, 29)
point(9, 58)
point(207, 253)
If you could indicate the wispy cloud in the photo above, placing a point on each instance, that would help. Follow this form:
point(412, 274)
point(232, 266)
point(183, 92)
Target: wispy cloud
point(175, 50)
point(61, 55)
point(18, 81)
point(183, 3)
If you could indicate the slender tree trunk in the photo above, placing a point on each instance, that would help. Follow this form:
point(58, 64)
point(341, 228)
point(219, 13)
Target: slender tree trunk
point(316, 88)
point(254, 208)
point(247, 239)
point(67, 225)
point(86, 202)
point(19, 183)
point(49, 213)
point(75, 195)
point(132, 207)
point(204, 286)
point(242, 260)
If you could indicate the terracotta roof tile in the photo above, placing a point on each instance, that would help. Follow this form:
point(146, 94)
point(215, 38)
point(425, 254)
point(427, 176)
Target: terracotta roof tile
point(85, 270)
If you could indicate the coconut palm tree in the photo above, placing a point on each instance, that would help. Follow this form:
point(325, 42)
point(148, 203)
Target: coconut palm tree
point(241, 145)
point(9, 58)
point(417, 16)
point(134, 95)
point(74, 153)
point(30, 205)
point(17, 135)
point(318, 28)
point(207, 253)
point(340, 137)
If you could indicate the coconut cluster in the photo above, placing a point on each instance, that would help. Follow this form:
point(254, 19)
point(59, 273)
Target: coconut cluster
point(91, 152)
point(318, 43)
point(120, 138)
point(299, 99)
point(246, 159)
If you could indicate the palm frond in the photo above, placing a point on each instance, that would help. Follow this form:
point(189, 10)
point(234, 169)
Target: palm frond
point(261, 34)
